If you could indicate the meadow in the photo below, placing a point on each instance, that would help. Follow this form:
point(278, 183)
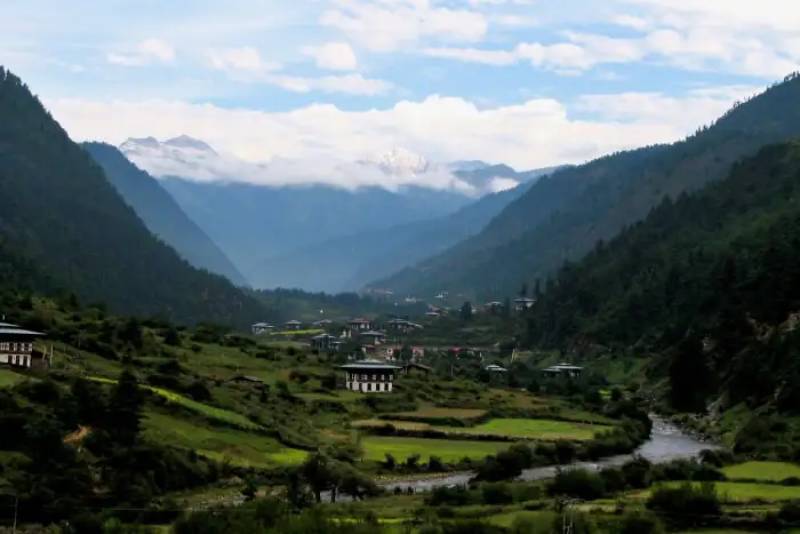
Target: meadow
point(534, 429)
point(743, 492)
point(239, 448)
point(763, 471)
point(448, 450)
point(9, 378)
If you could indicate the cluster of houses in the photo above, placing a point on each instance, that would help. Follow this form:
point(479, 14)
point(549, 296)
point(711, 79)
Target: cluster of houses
point(17, 348)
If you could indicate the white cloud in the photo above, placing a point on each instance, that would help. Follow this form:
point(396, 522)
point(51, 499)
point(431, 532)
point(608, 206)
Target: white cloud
point(387, 25)
point(353, 84)
point(244, 59)
point(321, 142)
point(333, 56)
point(146, 52)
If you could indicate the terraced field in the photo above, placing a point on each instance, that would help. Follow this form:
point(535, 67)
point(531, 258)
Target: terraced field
point(238, 447)
point(448, 450)
point(744, 492)
point(535, 429)
point(766, 471)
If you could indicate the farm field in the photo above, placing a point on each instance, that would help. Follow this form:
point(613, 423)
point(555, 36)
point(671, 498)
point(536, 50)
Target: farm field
point(766, 471)
point(743, 492)
point(540, 429)
point(448, 450)
point(433, 412)
point(10, 378)
point(240, 448)
point(400, 425)
point(212, 412)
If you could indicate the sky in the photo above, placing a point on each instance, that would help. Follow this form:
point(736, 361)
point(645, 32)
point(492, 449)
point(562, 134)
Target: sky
point(529, 83)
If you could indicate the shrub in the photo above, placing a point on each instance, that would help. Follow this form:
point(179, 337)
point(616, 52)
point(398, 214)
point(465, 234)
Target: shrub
point(640, 523)
point(790, 512)
point(578, 483)
point(497, 493)
point(687, 499)
point(637, 472)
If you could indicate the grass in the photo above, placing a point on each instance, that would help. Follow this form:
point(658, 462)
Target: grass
point(433, 412)
point(743, 492)
point(308, 332)
point(9, 378)
point(448, 450)
point(400, 425)
point(766, 471)
point(539, 429)
point(212, 412)
point(541, 518)
point(219, 443)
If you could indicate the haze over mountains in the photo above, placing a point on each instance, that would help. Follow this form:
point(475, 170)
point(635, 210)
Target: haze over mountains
point(319, 236)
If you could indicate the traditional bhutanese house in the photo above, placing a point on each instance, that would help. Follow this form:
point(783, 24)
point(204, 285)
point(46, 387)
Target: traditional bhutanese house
point(359, 324)
point(369, 376)
point(326, 342)
point(402, 326)
point(494, 368)
point(323, 323)
point(563, 369)
point(261, 328)
point(433, 314)
point(524, 303)
point(293, 325)
point(372, 337)
point(16, 347)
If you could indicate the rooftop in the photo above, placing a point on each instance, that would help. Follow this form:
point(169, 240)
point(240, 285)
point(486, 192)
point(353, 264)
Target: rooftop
point(369, 364)
point(18, 332)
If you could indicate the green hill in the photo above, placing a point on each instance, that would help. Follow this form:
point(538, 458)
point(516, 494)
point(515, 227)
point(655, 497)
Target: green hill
point(161, 214)
point(63, 221)
point(563, 216)
point(707, 285)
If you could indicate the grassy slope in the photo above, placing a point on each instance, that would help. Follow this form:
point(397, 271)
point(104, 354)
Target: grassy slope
point(223, 444)
point(448, 450)
point(766, 471)
point(9, 378)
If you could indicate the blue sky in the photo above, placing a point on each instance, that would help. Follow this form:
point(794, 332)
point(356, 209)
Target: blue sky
point(527, 82)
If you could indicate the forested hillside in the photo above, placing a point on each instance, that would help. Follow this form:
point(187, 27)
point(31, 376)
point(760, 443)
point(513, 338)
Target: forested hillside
point(354, 260)
point(562, 217)
point(62, 216)
point(708, 285)
point(160, 213)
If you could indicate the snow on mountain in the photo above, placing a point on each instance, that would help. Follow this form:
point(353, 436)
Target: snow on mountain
point(393, 170)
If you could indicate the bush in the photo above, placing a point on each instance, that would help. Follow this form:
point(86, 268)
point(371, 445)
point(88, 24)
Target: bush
point(637, 472)
point(578, 483)
point(452, 496)
point(790, 512)
point(497, 493)
point(641, 523)
point(687, 499)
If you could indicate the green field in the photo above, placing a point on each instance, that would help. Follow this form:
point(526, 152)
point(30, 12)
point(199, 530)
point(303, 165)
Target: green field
point(212, 412)
point(400, 425)
point(10, 378)
point(743, 492)
point(222, 444)
point(767, 471)
point(541, 429)
point(433, 412)
point(448, 450)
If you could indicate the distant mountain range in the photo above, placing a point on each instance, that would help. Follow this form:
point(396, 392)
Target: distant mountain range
point(161, 214)
point(320, 236)
point(563, 216)
point(64, 227)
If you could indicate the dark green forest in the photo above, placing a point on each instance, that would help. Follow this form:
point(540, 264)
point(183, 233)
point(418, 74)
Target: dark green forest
point(562, 216)
point(67, 227)
point(707, 284)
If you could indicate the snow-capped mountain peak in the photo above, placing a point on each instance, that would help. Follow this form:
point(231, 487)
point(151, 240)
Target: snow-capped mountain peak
point(401, 162)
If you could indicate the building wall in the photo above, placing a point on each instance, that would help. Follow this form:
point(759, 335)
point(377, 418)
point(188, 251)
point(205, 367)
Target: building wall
point(17, 353)
point(369, 382)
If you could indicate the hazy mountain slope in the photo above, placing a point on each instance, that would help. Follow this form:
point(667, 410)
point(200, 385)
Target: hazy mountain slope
point(709, 282)
point(161, 214)
point(253, 224)
point(62, 214)
point(349, 262)
point(562, 217)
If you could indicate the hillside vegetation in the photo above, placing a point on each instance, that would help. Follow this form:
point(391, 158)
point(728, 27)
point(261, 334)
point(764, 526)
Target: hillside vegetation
point(68, 228)
point(707, 285)
point(563, 216)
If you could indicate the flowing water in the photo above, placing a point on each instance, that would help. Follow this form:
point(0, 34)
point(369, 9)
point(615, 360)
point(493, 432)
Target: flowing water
point(667, 442)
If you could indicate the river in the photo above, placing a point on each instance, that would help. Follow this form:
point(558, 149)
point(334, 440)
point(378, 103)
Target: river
point(667, 442)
